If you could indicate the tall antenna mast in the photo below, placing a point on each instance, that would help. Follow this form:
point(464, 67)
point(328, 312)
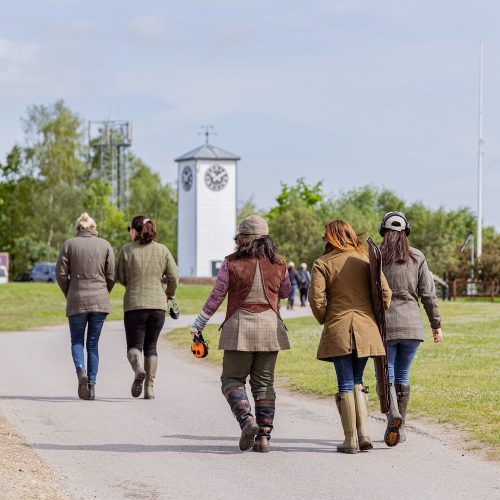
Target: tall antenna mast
point(479, 239)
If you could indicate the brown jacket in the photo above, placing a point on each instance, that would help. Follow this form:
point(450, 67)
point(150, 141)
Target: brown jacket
point(408, 283)
point(85, 272)
point(340, 300)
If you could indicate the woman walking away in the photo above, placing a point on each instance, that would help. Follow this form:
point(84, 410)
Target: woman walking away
point(409, 278)
point(254, 278)
point(340, 300)
point(294, 281)
point(141, 267)
point(304, 279)
point(85, 272)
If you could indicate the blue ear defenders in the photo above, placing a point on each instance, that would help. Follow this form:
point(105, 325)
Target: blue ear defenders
point(382, 229)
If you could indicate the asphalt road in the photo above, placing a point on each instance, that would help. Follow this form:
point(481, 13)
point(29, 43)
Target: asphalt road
point(184, 443)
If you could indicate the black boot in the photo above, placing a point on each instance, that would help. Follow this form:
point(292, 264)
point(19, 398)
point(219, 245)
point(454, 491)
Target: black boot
point(403, 393)
point(264, 414)
point(394, 420)
point(92, 392)
point(83, 383)
point(240, 406)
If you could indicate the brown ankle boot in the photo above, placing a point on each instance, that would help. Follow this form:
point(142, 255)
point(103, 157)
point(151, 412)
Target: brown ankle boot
point(347, 409)
point(240, 406)
point(264, 415)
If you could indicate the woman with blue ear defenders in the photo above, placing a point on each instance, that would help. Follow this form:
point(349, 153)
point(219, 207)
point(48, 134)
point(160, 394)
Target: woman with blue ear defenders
point(409, 278)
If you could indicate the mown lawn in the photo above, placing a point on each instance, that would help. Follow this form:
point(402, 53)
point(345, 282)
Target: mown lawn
point(453, 382)
point(30, 305)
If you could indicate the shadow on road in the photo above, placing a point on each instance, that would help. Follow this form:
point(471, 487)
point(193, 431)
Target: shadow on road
point(62, 399)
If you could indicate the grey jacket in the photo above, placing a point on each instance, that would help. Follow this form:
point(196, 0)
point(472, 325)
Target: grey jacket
point(85, 272)
point(140, 269)
point(410, 282)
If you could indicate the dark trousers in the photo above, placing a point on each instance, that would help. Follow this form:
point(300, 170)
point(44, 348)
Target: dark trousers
point(238, 365)
point(303, 295)
point(143, 327)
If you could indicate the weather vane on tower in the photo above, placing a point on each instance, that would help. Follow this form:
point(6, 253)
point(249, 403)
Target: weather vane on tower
point(207, 130)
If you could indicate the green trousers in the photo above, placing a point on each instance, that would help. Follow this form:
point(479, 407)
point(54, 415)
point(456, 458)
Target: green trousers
point(238, 365)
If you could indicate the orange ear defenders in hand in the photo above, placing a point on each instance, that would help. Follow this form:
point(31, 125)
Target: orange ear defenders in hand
point(200, 346)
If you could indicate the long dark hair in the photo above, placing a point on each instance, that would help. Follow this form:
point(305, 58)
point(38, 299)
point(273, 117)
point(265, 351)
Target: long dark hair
point(249, 246)
point(395, 248)
point(145, 229)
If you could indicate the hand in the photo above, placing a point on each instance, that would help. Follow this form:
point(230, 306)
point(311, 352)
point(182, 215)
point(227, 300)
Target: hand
point(170, 297)
point(194, 333)
point(437, 333)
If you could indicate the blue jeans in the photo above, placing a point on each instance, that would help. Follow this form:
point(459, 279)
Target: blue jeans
point(77, 325)
point(400, 354)
point(349, 369)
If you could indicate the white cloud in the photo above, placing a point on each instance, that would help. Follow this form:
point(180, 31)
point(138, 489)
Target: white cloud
point(148, 29)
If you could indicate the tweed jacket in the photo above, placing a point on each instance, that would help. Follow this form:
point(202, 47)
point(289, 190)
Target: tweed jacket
point(252, 328)
point(408, 283)
point(340, 300)
point(85, 272)
point(140, 269)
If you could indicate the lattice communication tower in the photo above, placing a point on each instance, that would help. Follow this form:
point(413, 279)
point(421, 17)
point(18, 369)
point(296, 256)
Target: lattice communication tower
point(109, 141)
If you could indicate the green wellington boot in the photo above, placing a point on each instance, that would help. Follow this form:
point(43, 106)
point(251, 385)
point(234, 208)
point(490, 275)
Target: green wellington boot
point(150, 365)
point(135, 359)
point(394, 420)
point(361, 399)
point(347, 410)
point(403, 393)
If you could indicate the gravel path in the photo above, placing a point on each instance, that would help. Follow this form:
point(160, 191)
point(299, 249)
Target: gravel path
point(184, 443)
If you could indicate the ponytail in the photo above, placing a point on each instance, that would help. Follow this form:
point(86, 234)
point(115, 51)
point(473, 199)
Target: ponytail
point(145, 229)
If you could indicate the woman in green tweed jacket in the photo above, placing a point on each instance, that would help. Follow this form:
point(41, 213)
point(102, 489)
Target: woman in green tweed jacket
point(140, 269)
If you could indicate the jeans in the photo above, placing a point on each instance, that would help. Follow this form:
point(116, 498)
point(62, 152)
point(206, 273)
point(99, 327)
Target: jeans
point(142, 328)
point(77, 325)
point(349, 369)
point(293, 291)
point(400, 354)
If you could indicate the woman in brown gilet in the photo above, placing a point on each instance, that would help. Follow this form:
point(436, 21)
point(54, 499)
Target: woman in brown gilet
point(254, 278)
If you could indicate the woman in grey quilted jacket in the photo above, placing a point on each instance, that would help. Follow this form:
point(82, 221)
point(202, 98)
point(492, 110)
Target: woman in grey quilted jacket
point(85, 272)
point(410, 280)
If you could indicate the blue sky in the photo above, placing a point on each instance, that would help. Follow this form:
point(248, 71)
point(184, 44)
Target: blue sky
point(345, 91)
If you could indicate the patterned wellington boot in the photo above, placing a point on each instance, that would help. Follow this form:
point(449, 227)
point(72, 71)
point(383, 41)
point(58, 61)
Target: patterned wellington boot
point(403, 393)
point(361, 399)
point(240, 406)
point(150, 365)
point(264, 414)
point(347, 409)
point(135, 359)
point(394, 420)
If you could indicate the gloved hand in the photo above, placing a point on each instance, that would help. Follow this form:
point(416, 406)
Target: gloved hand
point(199, 323)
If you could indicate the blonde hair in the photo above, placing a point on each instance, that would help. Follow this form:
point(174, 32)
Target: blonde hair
point(341, 236)
point(85, 221)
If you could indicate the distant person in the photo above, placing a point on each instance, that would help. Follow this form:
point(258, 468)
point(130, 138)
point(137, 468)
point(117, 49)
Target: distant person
point(85, 272)
point(409, 277)
point(340, 300)
point(294, 280)
point(253, 278)
point(304, 279)
point(141, 267)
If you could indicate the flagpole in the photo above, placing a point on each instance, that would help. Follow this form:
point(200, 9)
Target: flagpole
point(479, 239)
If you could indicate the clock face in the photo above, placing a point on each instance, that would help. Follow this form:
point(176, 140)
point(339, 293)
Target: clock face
point(187, 178)
point(216, 178)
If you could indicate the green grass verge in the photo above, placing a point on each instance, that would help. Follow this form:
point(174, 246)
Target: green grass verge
point(453, 382)
point(30, 305)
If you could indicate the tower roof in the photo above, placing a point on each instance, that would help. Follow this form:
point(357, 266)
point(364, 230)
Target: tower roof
point(208, 152)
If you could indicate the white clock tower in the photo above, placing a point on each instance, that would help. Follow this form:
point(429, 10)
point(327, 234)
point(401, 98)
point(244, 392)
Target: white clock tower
point(206, 210)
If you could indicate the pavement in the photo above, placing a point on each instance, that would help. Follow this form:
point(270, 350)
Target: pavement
point(184, 443)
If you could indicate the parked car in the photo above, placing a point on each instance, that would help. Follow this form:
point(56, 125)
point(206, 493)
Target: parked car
point(44, 272)
point(24, 276)
point(4, 275)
